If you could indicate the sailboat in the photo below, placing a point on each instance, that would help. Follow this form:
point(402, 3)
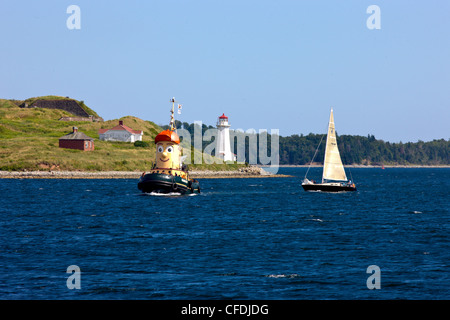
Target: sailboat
point(334, 178)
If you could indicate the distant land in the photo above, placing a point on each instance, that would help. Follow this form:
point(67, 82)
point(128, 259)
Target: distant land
point(29, 139)
point(355, 150)
point(30, 130)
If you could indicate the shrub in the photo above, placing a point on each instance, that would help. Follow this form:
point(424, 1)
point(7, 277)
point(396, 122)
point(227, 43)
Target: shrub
point(141, 144)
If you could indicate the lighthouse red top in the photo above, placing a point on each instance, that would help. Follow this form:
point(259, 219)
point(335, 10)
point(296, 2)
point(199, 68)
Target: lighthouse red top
point(223, 116)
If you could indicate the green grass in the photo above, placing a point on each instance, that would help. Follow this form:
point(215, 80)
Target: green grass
point(29, 140)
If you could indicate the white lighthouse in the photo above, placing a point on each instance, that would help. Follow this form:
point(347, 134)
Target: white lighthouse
point(223, 149)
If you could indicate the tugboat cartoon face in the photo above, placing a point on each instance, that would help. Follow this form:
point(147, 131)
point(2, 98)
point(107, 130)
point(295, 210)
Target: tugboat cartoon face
point(167, 155)
point(167, 150)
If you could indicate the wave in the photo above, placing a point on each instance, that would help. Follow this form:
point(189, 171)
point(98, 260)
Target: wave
point(319, 220)
point(170, 194)
point(290, 276)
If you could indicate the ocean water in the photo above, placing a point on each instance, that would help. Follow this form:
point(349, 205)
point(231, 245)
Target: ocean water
point(258, 238)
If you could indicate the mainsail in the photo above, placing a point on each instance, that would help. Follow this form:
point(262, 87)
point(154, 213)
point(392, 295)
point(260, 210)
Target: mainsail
point(332, 167)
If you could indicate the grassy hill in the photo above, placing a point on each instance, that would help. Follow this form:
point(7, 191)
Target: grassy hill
point(29, 140)
point(31, 101)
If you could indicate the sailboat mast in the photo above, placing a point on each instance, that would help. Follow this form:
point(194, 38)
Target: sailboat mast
point(330, 121)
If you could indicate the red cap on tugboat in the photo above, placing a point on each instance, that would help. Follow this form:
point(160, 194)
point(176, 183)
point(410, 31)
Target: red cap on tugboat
point(167, 135)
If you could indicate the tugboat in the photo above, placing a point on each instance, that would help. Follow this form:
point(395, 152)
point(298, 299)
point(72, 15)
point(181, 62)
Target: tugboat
point(168, 175)
point(333, 177)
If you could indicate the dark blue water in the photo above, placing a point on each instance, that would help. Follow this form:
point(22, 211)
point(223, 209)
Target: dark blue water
point(262, 238)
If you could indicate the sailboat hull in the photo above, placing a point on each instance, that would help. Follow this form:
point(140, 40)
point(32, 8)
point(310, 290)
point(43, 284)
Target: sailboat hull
point(328, 187)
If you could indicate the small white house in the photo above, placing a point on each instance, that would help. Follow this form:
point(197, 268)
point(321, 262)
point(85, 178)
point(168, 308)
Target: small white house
point(120, 133)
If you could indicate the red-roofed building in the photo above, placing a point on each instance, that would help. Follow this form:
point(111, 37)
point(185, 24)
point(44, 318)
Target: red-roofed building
point(120, 133)
point(76, 140)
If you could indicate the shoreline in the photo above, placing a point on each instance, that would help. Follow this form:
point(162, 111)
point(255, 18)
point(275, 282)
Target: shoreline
point(127, 175)
point(367, 166)
point(206, 174)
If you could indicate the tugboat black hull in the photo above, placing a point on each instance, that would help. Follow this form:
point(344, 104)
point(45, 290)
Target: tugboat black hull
point(165, 183)
point(328, 187)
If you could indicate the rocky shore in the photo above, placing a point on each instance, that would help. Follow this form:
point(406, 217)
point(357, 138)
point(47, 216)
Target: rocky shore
point(69, 175)
point(248, 172)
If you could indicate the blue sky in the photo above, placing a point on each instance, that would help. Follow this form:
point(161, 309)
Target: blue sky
point(265, 64)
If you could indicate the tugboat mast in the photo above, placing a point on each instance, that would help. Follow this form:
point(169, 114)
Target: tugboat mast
point(172, 121)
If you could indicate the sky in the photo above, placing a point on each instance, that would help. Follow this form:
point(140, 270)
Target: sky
point(265, 64)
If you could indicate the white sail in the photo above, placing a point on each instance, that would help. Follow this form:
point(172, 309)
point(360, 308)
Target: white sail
point(332, 167)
